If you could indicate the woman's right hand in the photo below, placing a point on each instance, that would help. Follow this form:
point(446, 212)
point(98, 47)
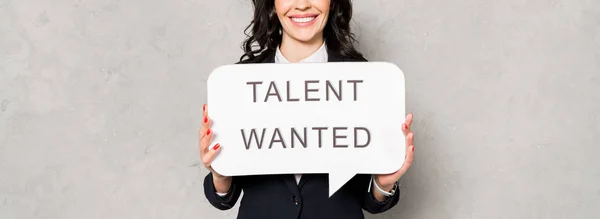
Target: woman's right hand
point(208, 154)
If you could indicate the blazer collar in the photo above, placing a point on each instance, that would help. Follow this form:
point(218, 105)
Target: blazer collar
point(331, 57)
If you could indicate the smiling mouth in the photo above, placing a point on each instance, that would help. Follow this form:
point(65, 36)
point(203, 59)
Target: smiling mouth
point(303, 19)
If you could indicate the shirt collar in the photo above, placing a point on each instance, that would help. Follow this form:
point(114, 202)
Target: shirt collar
point(319, 56)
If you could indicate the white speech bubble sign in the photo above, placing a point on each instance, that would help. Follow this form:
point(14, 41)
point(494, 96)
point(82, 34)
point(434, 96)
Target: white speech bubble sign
point(341, 118)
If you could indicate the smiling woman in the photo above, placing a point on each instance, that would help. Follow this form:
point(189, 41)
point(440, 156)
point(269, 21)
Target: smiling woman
point(300, 31)
point(302, 21)
point(272, 31)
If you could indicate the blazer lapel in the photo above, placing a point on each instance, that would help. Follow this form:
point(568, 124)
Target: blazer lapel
point(270, 58)
point(305, 178)
point(290, 181)
point(331, 57)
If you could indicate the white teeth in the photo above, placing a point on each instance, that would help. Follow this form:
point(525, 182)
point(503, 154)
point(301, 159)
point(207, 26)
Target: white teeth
point(303, 19)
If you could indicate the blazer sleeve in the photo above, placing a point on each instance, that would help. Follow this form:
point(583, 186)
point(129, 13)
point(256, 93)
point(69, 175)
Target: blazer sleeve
point(369, 203)
point(222, 202)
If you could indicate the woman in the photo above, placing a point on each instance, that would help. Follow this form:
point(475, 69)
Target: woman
point(300, 31)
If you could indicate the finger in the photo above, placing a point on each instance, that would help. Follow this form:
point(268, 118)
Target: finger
point(407, 123)
point(409, 140)
point(405, 129)
point(206, 140)
point(409, 119)
point(200, 146)
point(206, 123)
point(210, 155)
point(205, 110)
point(202, 133)
point(205, 120)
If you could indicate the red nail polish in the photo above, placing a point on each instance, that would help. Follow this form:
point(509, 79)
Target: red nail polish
point(405, 126)
point(217, 146)
point(204, 107)
point(208, 132)
point(413, 149)
point(205, 119)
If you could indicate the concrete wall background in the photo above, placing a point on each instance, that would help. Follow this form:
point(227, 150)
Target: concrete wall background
point(100, 101)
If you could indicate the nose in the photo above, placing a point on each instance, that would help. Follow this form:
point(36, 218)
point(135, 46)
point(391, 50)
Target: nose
point(302, 5)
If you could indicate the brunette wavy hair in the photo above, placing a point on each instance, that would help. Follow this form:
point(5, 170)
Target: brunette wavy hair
point(263, 33)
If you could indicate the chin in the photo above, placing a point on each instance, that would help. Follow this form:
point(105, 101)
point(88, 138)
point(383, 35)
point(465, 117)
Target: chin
point(304, 38)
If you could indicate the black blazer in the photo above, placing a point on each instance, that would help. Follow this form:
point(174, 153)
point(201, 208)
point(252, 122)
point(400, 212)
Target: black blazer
point(279, 197)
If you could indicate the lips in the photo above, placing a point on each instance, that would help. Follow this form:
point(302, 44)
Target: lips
point(303, 18)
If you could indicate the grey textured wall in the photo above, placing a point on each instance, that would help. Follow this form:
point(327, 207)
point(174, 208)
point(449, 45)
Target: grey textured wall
point(100, 102)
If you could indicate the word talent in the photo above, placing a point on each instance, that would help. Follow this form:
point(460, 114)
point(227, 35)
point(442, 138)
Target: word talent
point(332, 90)
point(274, 137)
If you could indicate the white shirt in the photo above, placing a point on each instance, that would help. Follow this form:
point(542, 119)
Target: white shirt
point(319, 56)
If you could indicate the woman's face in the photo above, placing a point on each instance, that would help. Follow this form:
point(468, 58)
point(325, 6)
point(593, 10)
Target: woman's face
point(303, 20)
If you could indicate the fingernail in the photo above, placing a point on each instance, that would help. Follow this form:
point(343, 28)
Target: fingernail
point(413, 148)
point(405, 126)
point(205, 119)
point(204, 107)
point(208, 132)
point(217, 146)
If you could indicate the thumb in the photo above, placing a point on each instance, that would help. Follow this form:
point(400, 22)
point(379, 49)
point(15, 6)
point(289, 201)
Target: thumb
point(210, 155)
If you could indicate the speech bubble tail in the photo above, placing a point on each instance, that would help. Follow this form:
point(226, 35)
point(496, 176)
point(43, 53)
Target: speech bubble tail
point(337, 180)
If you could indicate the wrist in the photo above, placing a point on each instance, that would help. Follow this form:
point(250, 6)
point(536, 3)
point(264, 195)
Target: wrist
point(385, 187)
point(222, 184)
point(383, 192)
point(220, 179)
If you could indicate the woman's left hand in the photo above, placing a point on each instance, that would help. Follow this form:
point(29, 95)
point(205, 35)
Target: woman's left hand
point(386, 181)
